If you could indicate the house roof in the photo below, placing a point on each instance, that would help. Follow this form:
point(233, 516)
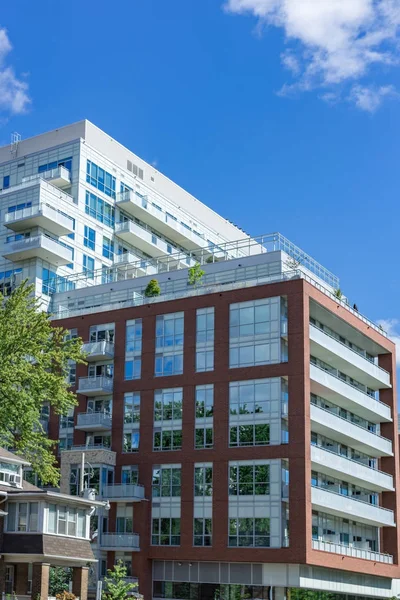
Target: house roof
point(11, 457)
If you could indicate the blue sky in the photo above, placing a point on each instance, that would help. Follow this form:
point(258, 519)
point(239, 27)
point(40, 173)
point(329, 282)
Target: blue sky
point(279, 118)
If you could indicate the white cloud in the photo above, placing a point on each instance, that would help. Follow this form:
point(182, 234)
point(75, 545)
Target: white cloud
point(370, 98)
point(331, 42)
point(392, 328)
point(14, 98)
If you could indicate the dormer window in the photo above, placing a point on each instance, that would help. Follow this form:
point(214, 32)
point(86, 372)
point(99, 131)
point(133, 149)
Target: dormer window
point(10, 474)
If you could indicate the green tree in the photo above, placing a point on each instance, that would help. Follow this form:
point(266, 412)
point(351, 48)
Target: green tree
point(195, 274)
point(34, 359)
point(152, 289)
point(59, 578)
point(115, 585)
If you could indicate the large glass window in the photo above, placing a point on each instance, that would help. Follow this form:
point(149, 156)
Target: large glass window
point(168, 419)
point(203, 481)
point(202, 532)
point(108, 248)
point(249, 532)
point(88, 266)
point(89, 239)
point(256, 415)
point(99, 209)
point(166, 481)
point(249, 480)
point(133, 349)
point(23, 517)
point(166, 531)
point(205, 339)
point(100, 179)
point(204, 416)
point(66, 520)
point(254, 333)
point(64, 162)
point(169, 344)
point(131, 421)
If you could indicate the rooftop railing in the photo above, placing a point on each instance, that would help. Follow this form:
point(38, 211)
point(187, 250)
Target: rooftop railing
point(272, 242)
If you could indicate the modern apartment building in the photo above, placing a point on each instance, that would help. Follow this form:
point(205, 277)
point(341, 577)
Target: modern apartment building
point(244, 427)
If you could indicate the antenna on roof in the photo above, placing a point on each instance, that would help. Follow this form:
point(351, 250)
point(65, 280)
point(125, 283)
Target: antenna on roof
point(15, 140)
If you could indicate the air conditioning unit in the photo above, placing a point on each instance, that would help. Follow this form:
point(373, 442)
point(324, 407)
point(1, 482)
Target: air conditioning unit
point(14, 479)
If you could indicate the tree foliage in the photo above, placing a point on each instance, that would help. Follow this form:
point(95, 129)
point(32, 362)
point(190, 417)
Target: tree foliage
point(152, 289)
point(59, 578)
point(115, 586)
point(34, 359)
point(195, 274)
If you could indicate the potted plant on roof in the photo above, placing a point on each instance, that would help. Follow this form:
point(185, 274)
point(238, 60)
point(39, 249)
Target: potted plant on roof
point(153, 289)
point(195, 274)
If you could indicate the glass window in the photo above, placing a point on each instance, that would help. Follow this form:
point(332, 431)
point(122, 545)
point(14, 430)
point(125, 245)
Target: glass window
point(168, 419)
point(11, 516)
point(100, 210)
point(22, 516)
point(100, 179)
point(108, 248)
point(133, 349)
point(131, 441)
point(166, 481)
point(33, 516)
point(249, 532)
point(88, 266)
point(255, 333)
point(166, 532)
point(6, 182)
point(169, 344)
point(52, 519)
point(131, 408)
point(89, 239)
point(205, 339)
point(203, 480)
point(249, 480)
point(202, 532)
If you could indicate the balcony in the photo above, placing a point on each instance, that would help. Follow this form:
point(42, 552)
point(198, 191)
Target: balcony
point(94, 421)
point(353, 551)
point(342, 357)
point(144, 239)
point(95, 386)
point(143, 267)
point(331, 425)
point(142, 208)
point(120, 541)
point(340, 467)
point(39, 246)
point(39, 215)
point(341, 393)
point(60, 176)
point(123, 492)
point(348, 507)
point(98, 350)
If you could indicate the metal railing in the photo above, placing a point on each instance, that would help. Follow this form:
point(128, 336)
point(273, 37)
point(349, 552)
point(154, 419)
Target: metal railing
point(324, 489)
point(36, 242)
point(350, 421)
point(226, 251)
point(98, 348)
point(329, 372)
point(37, 210)
point(369, 362)
point(94, 383)
point(357, 462)
point(352, 551)
point(120, 540)
point(94, 418)
point(44, 183)
point(88, 447)
point(124, 490)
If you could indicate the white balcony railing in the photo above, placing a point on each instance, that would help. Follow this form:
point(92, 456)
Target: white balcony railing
point(352, 551)
point(120, 540)
point(94, 420)
point(40, 214)
point(94, 385)
point(96, 350)
point(41, 246)
point(124, 491)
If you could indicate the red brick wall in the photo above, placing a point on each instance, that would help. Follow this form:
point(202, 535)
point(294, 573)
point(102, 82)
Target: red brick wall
point(297, 450)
